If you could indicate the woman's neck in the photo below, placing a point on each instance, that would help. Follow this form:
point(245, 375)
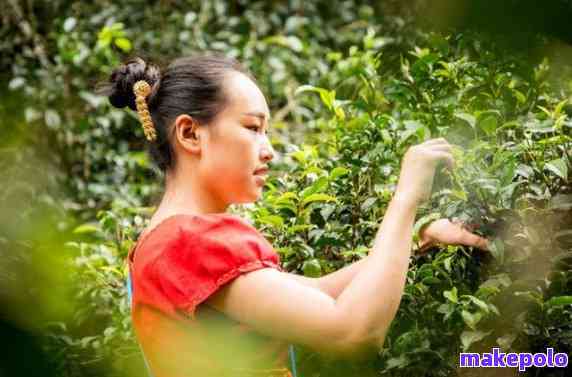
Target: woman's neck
point(185, 195)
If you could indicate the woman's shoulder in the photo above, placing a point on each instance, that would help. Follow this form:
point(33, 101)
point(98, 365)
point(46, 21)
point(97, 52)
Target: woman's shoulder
point(189, 234)
point(171, 225)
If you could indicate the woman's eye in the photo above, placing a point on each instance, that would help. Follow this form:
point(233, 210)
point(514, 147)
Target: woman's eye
point(255, 128)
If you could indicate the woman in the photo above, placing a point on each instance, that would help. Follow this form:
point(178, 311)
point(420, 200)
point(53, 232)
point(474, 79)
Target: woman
point(209, 296)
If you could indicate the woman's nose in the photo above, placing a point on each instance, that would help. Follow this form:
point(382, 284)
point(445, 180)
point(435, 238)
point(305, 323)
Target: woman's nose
point(267, 152)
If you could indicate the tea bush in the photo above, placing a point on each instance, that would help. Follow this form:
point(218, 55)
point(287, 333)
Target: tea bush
point(511, 182)
point(349, 95)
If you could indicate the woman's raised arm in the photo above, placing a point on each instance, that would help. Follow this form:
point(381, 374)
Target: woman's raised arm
point(439, 231)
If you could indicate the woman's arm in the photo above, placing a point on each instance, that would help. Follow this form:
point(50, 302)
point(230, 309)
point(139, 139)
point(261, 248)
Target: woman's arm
point(354, 324)
point(335, 282)
point(439, 231)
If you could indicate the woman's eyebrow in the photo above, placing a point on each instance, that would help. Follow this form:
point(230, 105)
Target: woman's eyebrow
point(257, 114)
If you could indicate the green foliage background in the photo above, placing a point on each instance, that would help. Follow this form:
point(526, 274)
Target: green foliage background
point(351, 87)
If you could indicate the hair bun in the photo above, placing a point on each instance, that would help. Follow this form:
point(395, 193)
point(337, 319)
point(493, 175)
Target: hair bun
point(122, 79)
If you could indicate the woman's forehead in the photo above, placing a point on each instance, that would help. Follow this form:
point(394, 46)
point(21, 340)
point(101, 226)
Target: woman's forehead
point(245, 97)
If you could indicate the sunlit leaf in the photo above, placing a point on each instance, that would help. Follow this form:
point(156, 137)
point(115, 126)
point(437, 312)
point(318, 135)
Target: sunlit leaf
point(558, 167)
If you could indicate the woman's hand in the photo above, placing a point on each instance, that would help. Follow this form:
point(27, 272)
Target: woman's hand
point(450, 233)
point(418, 169)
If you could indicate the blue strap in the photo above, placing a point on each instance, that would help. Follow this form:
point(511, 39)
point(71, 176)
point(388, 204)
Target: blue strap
point(292, 354)
point(129, 288)
point(291, 351)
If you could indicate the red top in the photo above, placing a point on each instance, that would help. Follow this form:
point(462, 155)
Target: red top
point(178, 265)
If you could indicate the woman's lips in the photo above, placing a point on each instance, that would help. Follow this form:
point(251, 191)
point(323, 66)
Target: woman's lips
point(260, 175)
point(261, 171)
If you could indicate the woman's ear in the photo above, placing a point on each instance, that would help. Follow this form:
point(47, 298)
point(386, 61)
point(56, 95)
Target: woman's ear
point(187, 133)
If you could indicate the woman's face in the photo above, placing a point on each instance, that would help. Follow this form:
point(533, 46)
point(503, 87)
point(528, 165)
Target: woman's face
point(237, 144)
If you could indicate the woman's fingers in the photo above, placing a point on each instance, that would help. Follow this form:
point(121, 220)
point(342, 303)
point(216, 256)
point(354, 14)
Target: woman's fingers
point(418, 168)
point(446, 157)
point(471, 239)
point(439, 140)
point(468, 237)
point(441, 147)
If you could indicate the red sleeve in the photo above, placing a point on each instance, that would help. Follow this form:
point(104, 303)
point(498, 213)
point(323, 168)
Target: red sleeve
point(208, 252)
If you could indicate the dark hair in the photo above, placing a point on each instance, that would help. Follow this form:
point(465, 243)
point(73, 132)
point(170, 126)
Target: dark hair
point(189, 85)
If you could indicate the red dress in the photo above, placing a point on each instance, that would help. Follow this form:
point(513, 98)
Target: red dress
point(174, 268)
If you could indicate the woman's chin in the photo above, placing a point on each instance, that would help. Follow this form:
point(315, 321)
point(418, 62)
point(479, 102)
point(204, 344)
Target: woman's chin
point(253, 197)
point(259, 184)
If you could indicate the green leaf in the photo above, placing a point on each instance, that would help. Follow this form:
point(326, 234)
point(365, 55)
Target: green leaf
point(451, 295)
point(494, 283)
point(123, 43)
point(292, 42)
point(319, 185)
point(397, 362)
point(496, 248)
point(470, 119)
point(299, 228)
point(140, 158)
point(431, 280)
point(338, 172)
point(506, 340)
point(558, 167)
point(510, 124)
point(447, 309)
point(470, 337)
point(286, 200)
point(318, 198)
point(299, 156)
point(327, 97)
point(447, 264)
point(559, 107)
point(559, 301)
point(368, 203)
point(470, 319)
point(108, 33)
point(312, 170)
point(286, 196)
point(312, 268)
point(521, 98)
point(86, 229)
point(480, 303)
point(413, 128)
point(525, 171)
point(541, 127)
point(274, 220)
point(488, 124)
point(339, 111)
point(460, 194)
point(357, 122)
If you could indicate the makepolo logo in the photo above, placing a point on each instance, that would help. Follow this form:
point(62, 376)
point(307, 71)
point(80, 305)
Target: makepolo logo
point(512, 360)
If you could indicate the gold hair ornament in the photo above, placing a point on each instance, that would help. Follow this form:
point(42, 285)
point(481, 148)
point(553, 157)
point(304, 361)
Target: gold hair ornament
point(142, 89)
